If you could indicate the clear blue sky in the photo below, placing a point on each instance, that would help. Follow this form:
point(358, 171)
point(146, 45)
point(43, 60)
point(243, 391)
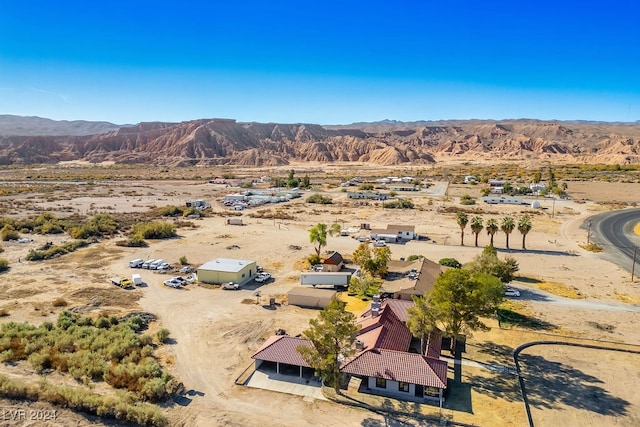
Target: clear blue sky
point(320, 62)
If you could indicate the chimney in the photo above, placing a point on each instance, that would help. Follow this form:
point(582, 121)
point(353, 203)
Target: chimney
point(359, 345)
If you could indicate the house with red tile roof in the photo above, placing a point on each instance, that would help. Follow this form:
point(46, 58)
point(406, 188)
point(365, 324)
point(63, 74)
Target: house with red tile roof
point(384, 360)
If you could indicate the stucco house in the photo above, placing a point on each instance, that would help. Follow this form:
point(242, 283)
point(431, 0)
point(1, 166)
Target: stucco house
point(407, 278)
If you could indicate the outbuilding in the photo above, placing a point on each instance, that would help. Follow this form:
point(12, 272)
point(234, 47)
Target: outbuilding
point(223, 270)
point(310, 297)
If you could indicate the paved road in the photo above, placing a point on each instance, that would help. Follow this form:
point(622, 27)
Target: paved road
point(539, 296)
point(613, 231)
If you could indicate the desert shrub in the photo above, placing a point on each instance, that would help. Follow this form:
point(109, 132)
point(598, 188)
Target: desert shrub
point(467, 200)
point(55, 251)
point(4, 265)
point(155, 230)
point(365, 187)
point(192, 211)
point(314, 259)
point(98, 226)
point(183, 260)
point(169, 211)
point(319, 199)
point(414, 257)
point(135, 241)
point(399, 204)
point(9, 233)
point(59, 302)
point(450, 262)
point(11, 388)
point(162, 335)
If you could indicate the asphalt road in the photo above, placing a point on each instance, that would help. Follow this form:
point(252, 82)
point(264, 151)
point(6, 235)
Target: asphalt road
point(613, 231)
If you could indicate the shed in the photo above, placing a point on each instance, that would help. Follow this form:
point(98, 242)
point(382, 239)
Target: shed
point(334, 262)
point(310, 297)
point(234, 221)
point(222, 270)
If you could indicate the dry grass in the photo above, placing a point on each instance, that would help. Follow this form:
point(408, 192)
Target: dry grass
point(561, 290)
point(627, 298)
point(354, 304)
point(591, 247)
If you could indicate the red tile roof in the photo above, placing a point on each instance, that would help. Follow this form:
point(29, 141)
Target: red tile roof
point(434, 344)
point(398, 366)
point(384, 331)
point(399, 308)
point(282, 348)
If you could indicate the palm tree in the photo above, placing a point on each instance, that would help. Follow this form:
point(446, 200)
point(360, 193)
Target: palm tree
point(318, 235)
point(524, 226)
point(476, 226)
point(507, 226)
point(462, 220)
point(492, 228)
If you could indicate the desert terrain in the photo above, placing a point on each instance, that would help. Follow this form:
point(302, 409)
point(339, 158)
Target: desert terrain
point(214, 332)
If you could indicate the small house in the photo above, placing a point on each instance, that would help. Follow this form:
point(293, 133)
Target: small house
point(394, 233)
point(307, 297)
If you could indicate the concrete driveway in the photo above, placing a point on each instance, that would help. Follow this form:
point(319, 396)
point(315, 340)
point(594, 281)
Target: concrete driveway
point(290, 384)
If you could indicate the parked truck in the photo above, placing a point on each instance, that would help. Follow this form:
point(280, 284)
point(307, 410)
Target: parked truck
point(321, 278)
point(123, 282)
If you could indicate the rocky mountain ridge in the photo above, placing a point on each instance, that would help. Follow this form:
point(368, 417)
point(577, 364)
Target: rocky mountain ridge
point(225, 142)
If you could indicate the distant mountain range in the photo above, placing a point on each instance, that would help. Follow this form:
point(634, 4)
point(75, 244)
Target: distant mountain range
point(33, 140)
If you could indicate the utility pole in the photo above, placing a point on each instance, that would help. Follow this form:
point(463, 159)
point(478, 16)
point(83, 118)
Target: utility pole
point(589, 233)
point(633, 266)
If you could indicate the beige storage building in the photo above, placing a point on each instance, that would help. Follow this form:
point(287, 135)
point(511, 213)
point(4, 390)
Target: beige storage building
point(223, 270)
point(310, 297)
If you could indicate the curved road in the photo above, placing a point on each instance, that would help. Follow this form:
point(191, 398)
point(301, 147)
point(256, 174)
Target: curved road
point(613, 231)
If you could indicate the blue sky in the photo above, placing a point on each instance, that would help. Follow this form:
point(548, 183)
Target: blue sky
point(326, 62)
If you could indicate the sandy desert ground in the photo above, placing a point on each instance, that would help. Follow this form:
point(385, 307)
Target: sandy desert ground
point(215, 332)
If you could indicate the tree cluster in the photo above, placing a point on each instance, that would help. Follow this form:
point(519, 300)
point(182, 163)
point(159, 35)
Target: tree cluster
point(507, 225)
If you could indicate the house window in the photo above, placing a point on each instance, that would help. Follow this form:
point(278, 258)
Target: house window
point(403, 386)
point(431, 391)
point(381, 383)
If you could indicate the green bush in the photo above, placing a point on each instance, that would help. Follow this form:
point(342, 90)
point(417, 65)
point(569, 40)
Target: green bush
point(183, 260)
point(314, 259)
point(319, 199)
point(135, 241)
point(4, 264)
point(450, 262)
point(162, 335)
point(55, 251)
point(467, 200)
point(399, 204)
point(170, 211)
point(8, 233)
point(98, 226)
point(414, 257)
point(155, 230)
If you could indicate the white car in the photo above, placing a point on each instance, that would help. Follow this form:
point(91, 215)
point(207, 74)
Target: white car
point(262, 277)
point(363, 239)
point(380, 243)
point(171, 283)
point(230, 286)
point(510, 292)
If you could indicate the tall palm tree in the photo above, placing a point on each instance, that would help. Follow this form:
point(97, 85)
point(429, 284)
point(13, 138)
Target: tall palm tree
point(524, 227)
point(318, 235)
point(507, 226)
point(462, 220)
point(476, 227)
point(492, 228)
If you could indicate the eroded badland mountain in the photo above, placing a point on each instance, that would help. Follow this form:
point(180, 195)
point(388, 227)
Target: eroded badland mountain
point(222, 142)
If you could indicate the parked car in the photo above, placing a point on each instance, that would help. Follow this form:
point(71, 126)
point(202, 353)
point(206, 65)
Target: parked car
point(136, 263)
point(186, 269)
point(125, 282)
point(380, 243)
point(317, 267)
point(363, 239)
point(179, 279)
point(164, 266)
point(147, 263)
point(510, 292)
point(262, 277)
point(230, 286)
point(171, 283)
